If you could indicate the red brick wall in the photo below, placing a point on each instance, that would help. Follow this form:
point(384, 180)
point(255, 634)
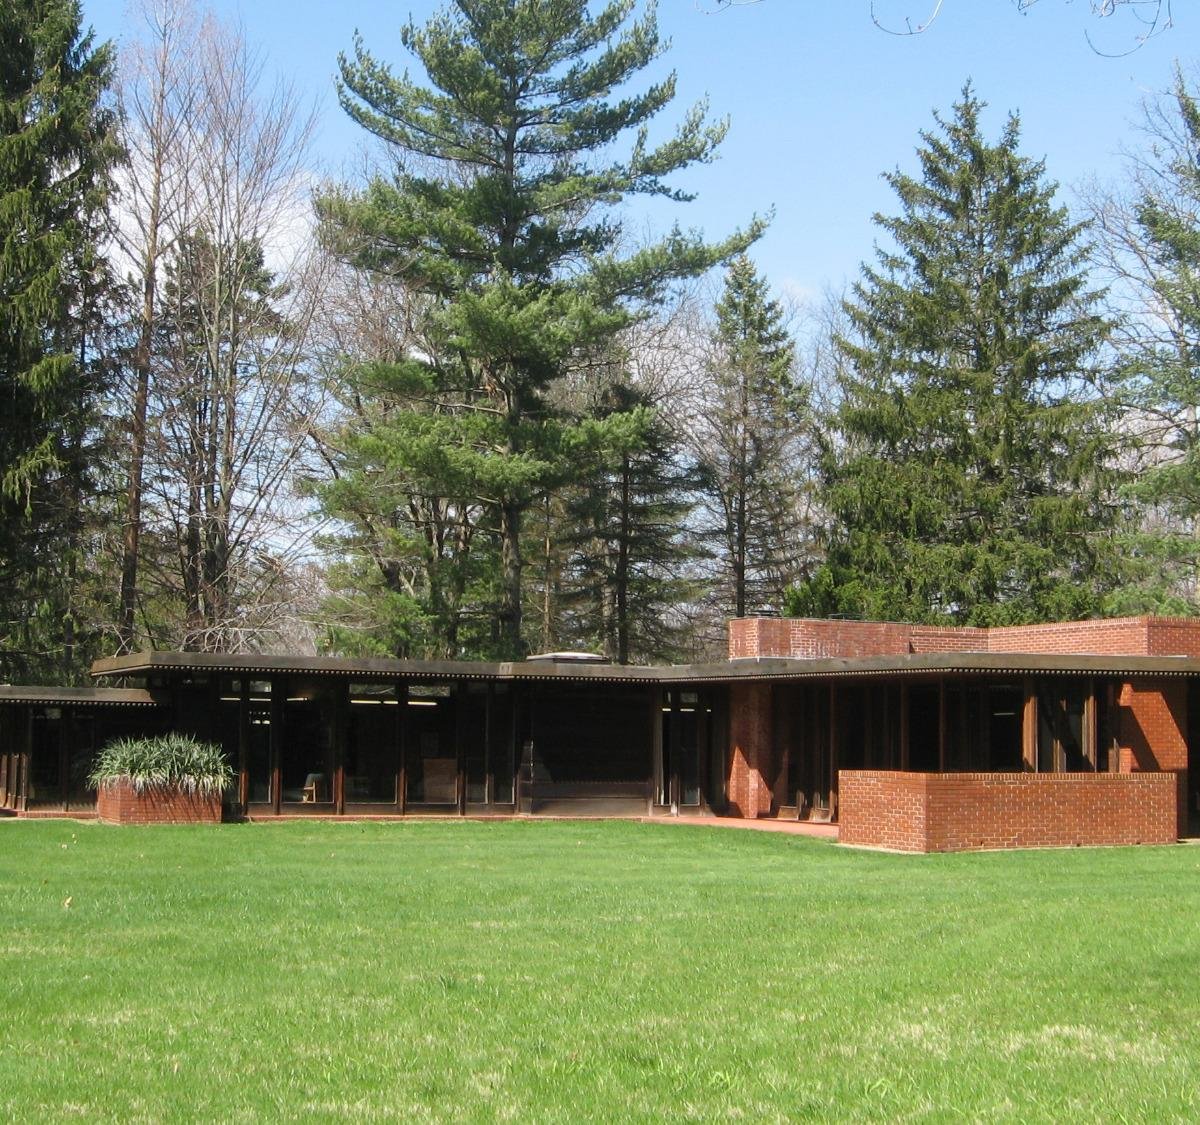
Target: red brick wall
point(808, 638)
point(967, 811)
point(122, 804)
point(1173, 636)
point(1152, 733)
point(1122, 636)
point(883, 809)
point(750, 749)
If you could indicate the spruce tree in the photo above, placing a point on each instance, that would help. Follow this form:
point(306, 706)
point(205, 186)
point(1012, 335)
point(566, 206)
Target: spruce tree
point(750, 444)
point(966, 472)
point(628, 574)
point(503, 218)
point(56, 152)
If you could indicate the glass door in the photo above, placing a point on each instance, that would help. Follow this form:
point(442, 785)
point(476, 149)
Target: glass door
point(683, 748)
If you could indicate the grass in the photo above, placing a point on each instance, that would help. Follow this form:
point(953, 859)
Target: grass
point(587, 971)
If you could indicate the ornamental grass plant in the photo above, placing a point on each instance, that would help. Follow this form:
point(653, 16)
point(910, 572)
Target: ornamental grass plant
point(176, 761)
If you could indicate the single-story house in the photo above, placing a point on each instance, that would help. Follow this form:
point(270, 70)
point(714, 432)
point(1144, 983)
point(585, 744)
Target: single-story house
point(912, 737)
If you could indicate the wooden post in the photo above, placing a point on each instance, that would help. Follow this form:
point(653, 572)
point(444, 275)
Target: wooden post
point(488, 705)
point(835, 731)
point(341, 707)
point(279, 690)
point(904, 726)
point(657, 765)
point(64, 785)
point(402, 734)
point(460, 793)
point(244, 745)
point(1029, 727)
point(23, 758)
point(1089, 724)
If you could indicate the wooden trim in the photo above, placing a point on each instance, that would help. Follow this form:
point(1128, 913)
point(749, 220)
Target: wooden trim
point(341, 707)
point(657, 695)
point(488, 780)
point(64, 764)
point(279, 691)
point(1089, 724)
point(835, 731)
point(404, 721)
point(459, 695)
point(1029, 726)
point(244, 745)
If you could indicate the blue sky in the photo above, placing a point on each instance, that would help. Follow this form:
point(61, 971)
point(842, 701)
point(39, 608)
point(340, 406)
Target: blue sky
point(820, 101)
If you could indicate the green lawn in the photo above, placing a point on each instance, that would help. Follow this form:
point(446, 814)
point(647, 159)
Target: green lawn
point(568, 971)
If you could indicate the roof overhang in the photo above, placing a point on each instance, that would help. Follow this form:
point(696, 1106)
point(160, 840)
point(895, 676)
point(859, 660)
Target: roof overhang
point(875, 667)
point(82, 697)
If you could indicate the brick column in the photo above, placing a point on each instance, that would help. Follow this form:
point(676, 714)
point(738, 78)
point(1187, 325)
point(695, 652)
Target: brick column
point(750, 749)
point(1152, 733)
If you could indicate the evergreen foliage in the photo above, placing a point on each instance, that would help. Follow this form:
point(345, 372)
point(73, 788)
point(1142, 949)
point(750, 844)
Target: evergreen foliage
point(502, 217)
point(750, 444)
point(627, 577)
point(966, 472)
point(56, 153)
point(414, 575)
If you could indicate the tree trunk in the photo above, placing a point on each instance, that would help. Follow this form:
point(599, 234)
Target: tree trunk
point(510, 580)
point(621, 575)
point(131, 541)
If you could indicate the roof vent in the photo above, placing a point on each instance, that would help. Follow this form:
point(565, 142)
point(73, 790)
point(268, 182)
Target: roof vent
point(568, 658)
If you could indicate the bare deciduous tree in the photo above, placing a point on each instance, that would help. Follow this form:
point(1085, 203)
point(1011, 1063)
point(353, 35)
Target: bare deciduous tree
point(158, 94)
point(221, 404)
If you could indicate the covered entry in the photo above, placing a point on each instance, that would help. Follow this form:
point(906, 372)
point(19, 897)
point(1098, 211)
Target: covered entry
point(587, 749)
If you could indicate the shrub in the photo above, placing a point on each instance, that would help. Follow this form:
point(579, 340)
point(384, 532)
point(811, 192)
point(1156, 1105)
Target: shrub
point(176, 761)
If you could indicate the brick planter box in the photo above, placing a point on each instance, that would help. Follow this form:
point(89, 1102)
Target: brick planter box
point(950, 812)
point(120, 803)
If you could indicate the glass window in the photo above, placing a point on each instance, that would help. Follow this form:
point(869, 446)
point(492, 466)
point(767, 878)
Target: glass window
point(500, 737)
point(473, 725)
point(258, 743)
point(372, 744)
point(431, 757)
point(306, 764)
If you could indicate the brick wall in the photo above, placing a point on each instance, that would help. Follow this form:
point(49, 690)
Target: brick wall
point(968, 811)
point(122, 804)
point(811, 638)
point(1122, 636)
point(1152, 733)
point(750, 749)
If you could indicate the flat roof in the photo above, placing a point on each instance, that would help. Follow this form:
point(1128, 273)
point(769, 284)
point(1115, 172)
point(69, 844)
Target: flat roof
point(773, 668)
point(89, 696)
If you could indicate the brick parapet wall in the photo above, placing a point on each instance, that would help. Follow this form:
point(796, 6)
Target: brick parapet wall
point(965, 812)
point(817, 638)
point(943, 812)
point(1121, 636)
point(122, 804)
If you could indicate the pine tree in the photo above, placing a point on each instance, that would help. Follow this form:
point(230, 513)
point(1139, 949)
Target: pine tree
point(503, 218)
point(966, 474)
point(56, 153)
point(750, 442)
point(627, 577)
